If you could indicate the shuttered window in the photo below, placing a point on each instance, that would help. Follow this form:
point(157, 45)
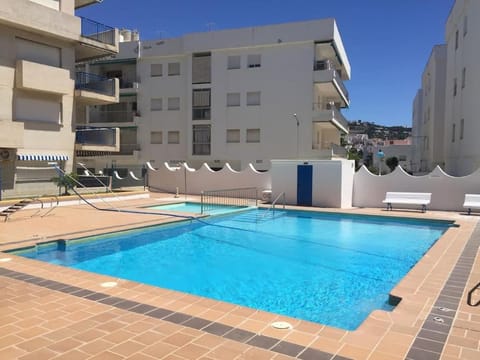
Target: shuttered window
point(253, 135)
point(156, 70)
point(201, 68)
point(233, 135)
point(156, 137)
point(234, 62)
point(233, 99)
point(253, 98)
point(173, 69)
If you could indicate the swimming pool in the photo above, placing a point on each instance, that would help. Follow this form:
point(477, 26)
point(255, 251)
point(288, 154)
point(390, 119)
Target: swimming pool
point(195, 207)
point(327, 268)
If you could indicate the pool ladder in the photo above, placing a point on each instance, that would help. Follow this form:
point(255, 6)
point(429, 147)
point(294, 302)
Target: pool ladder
point(470, 294)
point(274, 202)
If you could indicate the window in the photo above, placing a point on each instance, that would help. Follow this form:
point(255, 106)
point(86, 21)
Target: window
point(253, 135)
point(254, 60)
point(453, 132)
point(201, 104)
point(253, 98)
point(173, 69)
point(233, 99)
point(156, 70)
point(38, 52)
point(201, 68)
point(465, 25)
point(173, 103)
point(233, 135)
point(455, 87)
point(456, 40)
point(201, 140)
point(462, 125)
point(174, 137)
point(42, 108)
point(233, 62)
point(156, 137)
point(464, 77)
point(156, 104)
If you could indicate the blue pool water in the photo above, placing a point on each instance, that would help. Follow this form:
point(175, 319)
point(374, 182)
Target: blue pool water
point(327, 268)
point(194, 207)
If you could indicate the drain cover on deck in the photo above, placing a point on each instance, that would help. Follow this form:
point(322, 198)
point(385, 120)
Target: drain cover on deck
point(281, 325)
point(108, 284)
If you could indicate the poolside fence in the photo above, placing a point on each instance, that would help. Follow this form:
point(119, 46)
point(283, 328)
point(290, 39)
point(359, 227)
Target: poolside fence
point(242, 197)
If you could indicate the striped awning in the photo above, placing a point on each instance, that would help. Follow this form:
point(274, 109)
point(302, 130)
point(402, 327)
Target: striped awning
point(41, 157)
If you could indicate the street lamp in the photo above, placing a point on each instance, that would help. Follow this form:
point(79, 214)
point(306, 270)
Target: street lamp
point(380, 155)
point(298, 125)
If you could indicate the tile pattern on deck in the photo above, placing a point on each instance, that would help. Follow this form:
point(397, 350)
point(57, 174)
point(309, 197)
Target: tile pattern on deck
point(179, 318)
point(431, 339)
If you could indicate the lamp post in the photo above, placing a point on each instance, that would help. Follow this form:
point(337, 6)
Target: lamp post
point(380, 155)
point(298, 125)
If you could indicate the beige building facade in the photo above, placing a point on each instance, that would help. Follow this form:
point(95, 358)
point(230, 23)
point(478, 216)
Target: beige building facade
point(41, 92)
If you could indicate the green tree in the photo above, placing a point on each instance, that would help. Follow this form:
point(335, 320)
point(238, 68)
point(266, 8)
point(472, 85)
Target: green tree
point(392, 162)
point(67, 181)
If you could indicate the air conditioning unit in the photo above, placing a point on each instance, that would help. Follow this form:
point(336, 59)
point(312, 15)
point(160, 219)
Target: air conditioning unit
point(7, 154)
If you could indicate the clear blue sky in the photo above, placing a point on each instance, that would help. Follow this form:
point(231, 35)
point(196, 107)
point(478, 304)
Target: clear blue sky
point(388, 42)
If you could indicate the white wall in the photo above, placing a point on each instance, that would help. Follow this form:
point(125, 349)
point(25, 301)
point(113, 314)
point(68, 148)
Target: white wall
point(448, 192)
point(332, 181)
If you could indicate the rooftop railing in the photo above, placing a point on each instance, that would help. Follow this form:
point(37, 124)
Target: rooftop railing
point(95, 83)
point(97, 31)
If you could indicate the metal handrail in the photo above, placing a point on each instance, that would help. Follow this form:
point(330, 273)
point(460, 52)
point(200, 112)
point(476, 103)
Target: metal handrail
point(233, 197)
point(470, 293)
point(52, 206)
point(274, 202)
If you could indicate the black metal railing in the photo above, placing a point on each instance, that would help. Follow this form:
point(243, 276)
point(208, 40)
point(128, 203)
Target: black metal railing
point(327, 64)
point(242, 197)
point(201, 113)
point(97, 116)
point(97, 31)
point(95, 83)
point(96, 136)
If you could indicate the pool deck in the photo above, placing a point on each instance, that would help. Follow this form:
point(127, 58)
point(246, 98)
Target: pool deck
point(52, 312)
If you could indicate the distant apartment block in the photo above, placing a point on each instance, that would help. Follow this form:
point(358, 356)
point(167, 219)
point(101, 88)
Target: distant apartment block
point(429, 113)
point(239, 96)
point(446, 126)
point(41, 94)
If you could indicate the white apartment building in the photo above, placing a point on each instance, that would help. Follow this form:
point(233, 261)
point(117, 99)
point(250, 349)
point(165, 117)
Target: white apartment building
point(462, 127)
point(429, 113)
point(239, 96)
point(41, 41)
point(417, 131)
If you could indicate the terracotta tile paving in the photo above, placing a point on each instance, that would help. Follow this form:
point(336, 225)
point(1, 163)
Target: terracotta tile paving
point(52, 313)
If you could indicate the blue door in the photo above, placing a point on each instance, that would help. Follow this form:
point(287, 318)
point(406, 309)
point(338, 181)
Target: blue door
point(304, 185)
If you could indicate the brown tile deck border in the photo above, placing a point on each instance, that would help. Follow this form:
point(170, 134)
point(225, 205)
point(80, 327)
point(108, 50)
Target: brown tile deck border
point(179, 318)
point(384, 335)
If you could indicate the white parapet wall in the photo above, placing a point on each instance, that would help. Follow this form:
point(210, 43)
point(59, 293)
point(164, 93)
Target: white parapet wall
point(448, 192)
point(332, 181)
point(190, 181)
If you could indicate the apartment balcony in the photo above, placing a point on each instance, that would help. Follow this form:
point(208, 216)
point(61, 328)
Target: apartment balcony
point(97, 139)
point(328, 81)
point(91, 89)
point(109, 117)
point(129, 149)
point(31, 76)
point(82, 3)
point(40, 18)
point(128, 87)
point(96, 40)
point(329, 151)
point(329, 114)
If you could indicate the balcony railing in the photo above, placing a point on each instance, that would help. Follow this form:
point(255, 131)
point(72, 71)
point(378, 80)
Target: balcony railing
point(331, 113)
point(320, 65)
point(112, 116)
point(97, 31)
point(201, 113)
point(96, 136)
point(128, 149)
point(95, 83)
